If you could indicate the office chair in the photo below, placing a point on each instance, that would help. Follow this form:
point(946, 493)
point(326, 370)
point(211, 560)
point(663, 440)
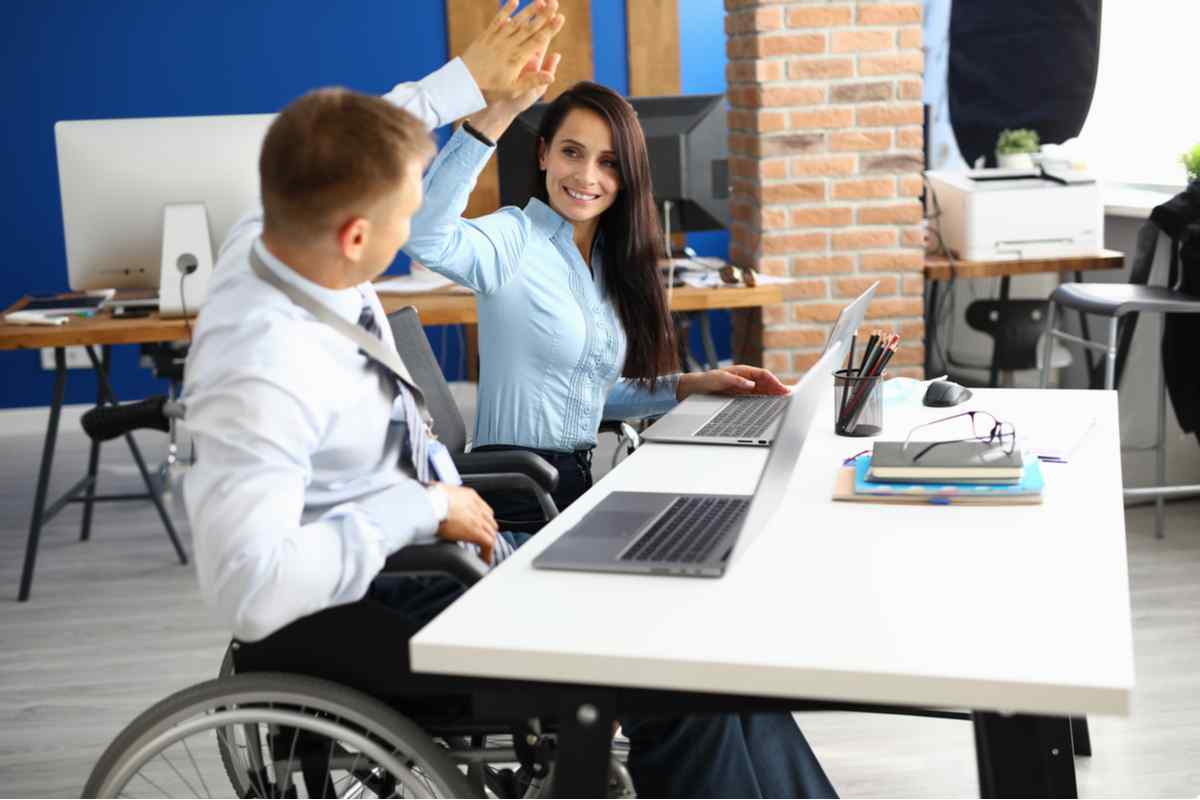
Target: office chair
point(1121, 304)
point(488, 471)
point(1016, 328)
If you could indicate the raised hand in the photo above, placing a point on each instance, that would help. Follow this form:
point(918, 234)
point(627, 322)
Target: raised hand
point(500, 58)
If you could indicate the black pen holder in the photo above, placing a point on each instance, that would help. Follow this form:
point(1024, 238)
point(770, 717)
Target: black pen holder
point(857, 403)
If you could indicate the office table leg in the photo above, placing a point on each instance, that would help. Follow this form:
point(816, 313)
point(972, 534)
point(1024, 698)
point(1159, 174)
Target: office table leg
point(1084, 331)
point(151, 488)
point(39, 495)
point(584, 744)
point(85, 529)
point(1021, 755)
point(710, 348)
point(931, 331)
point(994, 372)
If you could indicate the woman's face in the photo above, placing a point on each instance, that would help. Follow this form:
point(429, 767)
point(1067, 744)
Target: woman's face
point(582, 174)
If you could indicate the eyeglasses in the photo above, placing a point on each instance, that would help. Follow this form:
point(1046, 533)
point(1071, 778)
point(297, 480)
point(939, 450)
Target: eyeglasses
point(1001, 433)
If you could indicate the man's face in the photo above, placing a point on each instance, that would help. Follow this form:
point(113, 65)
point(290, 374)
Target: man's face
point(391, 221)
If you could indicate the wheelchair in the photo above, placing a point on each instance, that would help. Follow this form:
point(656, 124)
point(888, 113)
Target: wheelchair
point(278, 734)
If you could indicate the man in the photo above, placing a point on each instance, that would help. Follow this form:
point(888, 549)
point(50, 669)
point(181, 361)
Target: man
point(300, 491)
point(313, 464)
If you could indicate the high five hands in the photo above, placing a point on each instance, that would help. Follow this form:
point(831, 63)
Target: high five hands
point(508, 59)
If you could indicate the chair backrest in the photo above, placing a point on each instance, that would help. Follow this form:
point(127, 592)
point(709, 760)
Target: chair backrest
point(1014, 325)
point(418, 356)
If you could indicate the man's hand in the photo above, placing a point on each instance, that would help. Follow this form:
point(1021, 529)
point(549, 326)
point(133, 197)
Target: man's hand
point(738, 379)
point(498, 59)
point(469, 519)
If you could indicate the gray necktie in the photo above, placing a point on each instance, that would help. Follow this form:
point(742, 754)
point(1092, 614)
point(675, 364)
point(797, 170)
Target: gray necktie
point(418, 442)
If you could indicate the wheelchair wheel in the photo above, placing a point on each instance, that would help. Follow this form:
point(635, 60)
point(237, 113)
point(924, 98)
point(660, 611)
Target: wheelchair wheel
point(293, 736)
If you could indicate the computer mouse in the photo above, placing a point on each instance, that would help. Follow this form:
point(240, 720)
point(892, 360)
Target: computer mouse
point(946, 393)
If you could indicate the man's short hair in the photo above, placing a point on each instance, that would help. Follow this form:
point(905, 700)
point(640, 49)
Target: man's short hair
point(331, 154)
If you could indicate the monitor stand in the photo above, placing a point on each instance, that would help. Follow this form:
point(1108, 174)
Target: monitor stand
point(187, 260)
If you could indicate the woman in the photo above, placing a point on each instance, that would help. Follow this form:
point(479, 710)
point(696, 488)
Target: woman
point(573, 321)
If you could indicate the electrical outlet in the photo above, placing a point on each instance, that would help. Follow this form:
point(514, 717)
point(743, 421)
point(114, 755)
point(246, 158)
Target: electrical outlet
point(77, 358)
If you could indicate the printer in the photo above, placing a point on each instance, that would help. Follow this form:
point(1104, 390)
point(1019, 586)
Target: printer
point(997, 214)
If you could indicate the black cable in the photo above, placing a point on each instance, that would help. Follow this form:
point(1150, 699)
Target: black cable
point(183, 301)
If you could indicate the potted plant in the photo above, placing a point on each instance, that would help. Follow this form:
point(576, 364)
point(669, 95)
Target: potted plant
point(1191, 162)
point(1015, 148)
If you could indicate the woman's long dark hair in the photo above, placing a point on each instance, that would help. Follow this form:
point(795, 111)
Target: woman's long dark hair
point(629, 235)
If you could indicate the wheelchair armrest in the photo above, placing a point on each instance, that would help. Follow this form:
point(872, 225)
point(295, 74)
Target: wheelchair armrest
point(523, 462)
point(498, 481)
point(621, 428)
point(446, 558)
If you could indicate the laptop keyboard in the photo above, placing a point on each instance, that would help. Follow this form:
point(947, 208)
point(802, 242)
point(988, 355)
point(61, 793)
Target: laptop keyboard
point(744, 417)
point(688, 531)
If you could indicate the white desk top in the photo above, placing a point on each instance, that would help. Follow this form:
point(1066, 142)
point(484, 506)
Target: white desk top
point(1020, 608)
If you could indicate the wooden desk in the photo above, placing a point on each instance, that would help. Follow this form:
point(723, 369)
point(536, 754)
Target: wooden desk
point(434, 308)
point(104, 331)
point(939, 268)
point(924, 606)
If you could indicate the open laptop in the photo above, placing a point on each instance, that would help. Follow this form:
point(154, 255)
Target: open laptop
point(750, 419)
point(659, 533)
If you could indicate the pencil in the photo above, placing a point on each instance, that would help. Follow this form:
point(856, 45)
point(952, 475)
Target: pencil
point(863, 393)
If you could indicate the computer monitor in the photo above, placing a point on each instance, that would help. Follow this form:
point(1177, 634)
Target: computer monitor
point(686, 137)
point(116, 176)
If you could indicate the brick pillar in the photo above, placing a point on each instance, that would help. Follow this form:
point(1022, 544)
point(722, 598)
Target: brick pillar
point(825, 155)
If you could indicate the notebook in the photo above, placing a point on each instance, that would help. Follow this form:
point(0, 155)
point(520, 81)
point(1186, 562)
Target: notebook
point(971, 460)
point(853, 485)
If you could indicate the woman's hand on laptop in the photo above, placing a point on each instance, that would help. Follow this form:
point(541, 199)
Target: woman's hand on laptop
point(738, 379)
point(469, 519)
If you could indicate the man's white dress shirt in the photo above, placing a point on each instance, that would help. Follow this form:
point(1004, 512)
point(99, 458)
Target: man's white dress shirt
point(297, 496)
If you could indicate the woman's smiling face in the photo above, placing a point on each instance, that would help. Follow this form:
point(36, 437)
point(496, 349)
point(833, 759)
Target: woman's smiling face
point(583, 176)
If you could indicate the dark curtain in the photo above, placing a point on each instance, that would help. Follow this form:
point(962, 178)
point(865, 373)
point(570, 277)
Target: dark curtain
point(1021, 64)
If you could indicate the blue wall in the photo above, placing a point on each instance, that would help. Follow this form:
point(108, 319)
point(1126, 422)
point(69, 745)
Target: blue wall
point(82, 59)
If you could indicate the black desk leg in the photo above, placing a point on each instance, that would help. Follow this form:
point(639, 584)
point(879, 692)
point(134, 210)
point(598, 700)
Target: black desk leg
point(1021, 755)
point(994, 373)
point(151, 488)
point(584, 744)
point(39, 495)
point(85, 529)
point(1080, 737)
point(710, 349)
point(931, 330)
point(1095, 378)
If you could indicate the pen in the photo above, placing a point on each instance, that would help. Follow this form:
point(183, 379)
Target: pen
point(879, 360)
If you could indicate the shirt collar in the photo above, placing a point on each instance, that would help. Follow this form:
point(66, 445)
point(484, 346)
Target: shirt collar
point(346, 303)
point(548, 221)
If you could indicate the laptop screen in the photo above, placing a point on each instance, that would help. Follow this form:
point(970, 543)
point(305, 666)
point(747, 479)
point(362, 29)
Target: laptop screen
point(789, 440)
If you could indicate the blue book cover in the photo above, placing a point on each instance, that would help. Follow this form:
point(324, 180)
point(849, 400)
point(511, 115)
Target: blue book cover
point(1031, 483)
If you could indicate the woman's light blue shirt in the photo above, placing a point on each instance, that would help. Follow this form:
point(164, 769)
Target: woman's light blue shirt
point(551, 345)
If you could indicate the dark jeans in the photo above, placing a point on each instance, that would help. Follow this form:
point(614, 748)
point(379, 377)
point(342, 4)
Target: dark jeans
point(365, 645)
point(574, 478)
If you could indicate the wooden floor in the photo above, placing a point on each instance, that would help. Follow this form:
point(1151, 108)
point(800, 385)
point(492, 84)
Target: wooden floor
point(116, 624)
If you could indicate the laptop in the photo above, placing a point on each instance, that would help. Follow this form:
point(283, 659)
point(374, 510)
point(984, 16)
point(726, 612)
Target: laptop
point(659, 533)
point(751, 420)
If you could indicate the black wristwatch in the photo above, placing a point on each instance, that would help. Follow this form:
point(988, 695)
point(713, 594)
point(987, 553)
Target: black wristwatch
point(471, 129)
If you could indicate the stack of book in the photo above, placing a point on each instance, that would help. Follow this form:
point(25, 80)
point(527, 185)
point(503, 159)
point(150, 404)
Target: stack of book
point(972, 472)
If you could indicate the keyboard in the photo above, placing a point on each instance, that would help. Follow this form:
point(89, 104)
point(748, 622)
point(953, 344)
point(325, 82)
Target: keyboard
point(745, 417)
point(688, 530)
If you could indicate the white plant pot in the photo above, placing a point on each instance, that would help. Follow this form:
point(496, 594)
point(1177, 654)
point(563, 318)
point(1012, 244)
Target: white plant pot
point(1014, 160)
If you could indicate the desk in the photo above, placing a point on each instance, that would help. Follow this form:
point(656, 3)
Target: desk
point(938, 269)
point(103, 331)
point(932, 606)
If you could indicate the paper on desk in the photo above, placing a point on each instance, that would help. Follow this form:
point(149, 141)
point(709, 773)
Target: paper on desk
point(1054, 440)
point(418, 282)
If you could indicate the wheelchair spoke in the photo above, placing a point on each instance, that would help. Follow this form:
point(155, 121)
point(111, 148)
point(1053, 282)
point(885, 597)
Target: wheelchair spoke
point(252, 771)
point(195, 766)
point(161, 791)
